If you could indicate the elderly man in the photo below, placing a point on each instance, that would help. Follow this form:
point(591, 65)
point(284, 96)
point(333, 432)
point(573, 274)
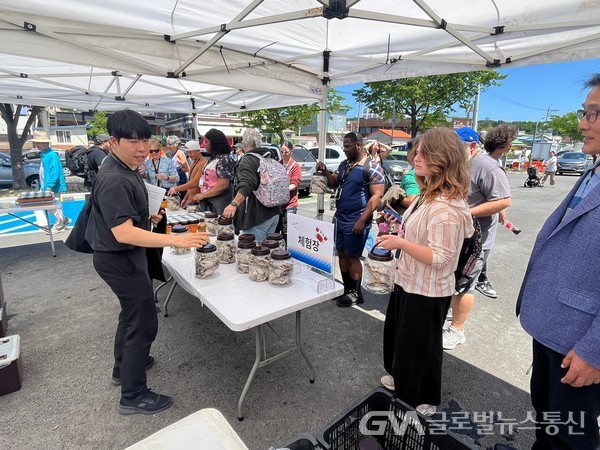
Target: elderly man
point(489, 195)
point(192, 187)
point(559, 306)
point(52, 176)
point(249, 214)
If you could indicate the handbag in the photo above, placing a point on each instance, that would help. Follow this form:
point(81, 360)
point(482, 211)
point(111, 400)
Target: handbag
point(76, 240)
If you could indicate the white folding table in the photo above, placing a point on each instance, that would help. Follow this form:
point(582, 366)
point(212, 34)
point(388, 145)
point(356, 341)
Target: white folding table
point(56, 204)
point(242, 304)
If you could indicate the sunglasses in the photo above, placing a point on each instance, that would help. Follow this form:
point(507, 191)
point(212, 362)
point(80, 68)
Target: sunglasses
point(154, 150)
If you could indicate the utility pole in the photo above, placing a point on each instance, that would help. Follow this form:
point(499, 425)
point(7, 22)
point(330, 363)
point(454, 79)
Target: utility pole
point(393, 120)
point(476, 107)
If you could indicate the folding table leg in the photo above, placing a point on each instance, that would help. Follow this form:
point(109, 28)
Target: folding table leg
point(50, 233)
point(301, 347)
point(169, 297)
point(159, 287)
point(258, 331)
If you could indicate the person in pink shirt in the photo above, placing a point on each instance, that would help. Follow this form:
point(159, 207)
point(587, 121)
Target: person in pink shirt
point(216, 187)
point(294, 171)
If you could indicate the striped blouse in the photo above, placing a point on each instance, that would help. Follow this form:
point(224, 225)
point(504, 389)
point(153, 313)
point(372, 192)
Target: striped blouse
point(441, 225)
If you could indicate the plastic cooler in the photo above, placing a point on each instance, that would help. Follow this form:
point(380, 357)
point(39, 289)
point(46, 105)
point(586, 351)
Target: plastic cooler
point(391, 423)
point(10, 364)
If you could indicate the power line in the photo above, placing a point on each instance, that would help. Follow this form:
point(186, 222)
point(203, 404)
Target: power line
point(514, 102)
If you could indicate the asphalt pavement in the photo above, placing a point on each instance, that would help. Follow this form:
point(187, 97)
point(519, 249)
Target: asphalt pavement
point(66, 317)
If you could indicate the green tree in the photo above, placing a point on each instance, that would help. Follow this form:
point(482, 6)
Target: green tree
point(274, 121)
point(566, 126)
point(98, 125)
point(426, 101)
point(11, 114)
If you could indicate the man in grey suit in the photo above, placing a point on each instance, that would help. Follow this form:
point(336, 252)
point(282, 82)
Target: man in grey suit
point(559, 306)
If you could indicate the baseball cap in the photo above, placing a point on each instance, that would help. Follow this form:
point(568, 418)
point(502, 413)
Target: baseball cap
point(238, 145)
point(102, 137)
point(192, 145)
point(467, 134)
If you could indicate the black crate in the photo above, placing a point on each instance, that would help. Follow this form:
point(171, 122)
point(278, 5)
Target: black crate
point(393, 423)
point(303, 441)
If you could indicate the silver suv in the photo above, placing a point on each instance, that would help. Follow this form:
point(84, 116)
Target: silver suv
point(308, 163)
point(573, 162)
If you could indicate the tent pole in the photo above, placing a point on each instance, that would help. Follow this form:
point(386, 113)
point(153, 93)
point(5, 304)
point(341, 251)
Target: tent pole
point(322, 143)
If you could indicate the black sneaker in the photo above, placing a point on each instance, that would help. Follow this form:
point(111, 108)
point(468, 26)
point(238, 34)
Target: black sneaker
point(350, 299)
point(485, 287)
point(117, 381)
point(149, 403)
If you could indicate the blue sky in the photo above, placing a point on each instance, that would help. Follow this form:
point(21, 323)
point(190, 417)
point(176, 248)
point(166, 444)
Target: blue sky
point(527, 92)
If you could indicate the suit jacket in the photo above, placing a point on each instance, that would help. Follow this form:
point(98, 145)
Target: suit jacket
point(559, 301)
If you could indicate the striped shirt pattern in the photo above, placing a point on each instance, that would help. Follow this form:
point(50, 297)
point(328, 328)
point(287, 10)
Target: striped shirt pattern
point(441, 225)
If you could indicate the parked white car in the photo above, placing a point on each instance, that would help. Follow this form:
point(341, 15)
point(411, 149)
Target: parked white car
point(334, 155)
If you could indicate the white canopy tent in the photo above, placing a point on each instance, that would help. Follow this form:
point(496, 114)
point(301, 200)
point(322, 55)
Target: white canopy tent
point(223, 56)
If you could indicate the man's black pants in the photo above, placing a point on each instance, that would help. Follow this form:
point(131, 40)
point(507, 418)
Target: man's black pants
point(126, 273)
point(560, 408)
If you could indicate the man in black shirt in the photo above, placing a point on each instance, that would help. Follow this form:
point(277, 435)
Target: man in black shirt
point(96, 155)
point(119, 231)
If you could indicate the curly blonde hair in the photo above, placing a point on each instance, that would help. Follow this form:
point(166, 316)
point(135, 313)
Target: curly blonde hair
point(445, 156)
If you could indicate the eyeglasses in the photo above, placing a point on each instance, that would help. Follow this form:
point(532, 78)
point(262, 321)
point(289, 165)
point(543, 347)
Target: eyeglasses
point(590, 115)
point(154, 150)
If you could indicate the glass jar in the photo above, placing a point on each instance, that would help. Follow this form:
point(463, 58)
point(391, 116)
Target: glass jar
point(193, 225)
point(211, 222)
point(224, 224)
point(259, 264)
point(226, 247)
point(378, 275)
point(179, 230)
point(244, 255)
point(207, 261)
point(281, 267)
point(318, 183)
point(270, 244)
point(201, 226)
point(278, 237)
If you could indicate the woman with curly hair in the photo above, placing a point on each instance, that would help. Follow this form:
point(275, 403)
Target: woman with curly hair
point(429, 243)
point(216, 188)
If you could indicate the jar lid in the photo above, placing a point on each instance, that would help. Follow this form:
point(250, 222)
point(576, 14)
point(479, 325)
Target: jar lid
point(380, 254)
point(280, 254)
point(210, 215)
point(208, 248)
point(270, 244)
point(274, 236)
point(260, 251)
point(247, 237)
point(225, 236)
point(225, 220)
point(193, 220)
point(184, 221)
point(178, 229)
point(246, 244)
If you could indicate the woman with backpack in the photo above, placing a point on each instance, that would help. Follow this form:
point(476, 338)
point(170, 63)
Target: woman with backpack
point(429, 241)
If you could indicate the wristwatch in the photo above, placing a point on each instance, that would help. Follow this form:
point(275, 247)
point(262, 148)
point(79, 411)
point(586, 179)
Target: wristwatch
point(233, 203)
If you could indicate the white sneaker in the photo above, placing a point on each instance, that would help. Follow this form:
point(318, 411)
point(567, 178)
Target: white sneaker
point(426, 410)
point(387, 381)
point(451, 337)
point(61, 224)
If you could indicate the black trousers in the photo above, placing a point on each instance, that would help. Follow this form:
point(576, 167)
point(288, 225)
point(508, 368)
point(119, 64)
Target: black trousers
point(412, 345)
point(126, 273)
point(556, 404)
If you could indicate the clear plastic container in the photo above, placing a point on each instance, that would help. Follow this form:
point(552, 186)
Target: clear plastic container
point(378, 276)
point(179, 230)
point(193, 225)
point(226, 247)
point(211, 222)
point(201, 226)
point(207, 261)
point(278, 237)
point(318, 183)
point(224, 224)
point(281, 267)
point(259, 264)
point(244, 255)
